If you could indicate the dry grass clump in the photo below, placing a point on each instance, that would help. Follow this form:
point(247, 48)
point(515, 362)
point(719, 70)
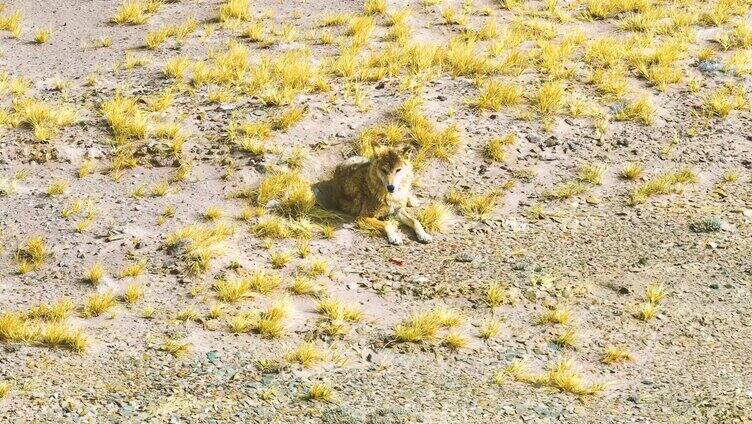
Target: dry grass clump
point(555, 315)
point(561, 376)
point(337, 311)
point(132, 293)
point(592, 174)
point(270, 323)
point(550, 97)
point(134, 12)
point(655, 293)
point(566, 190)
point(307, 355)
point(374, 7)
point(44, 119)
point(290, 193)
point(5, 388)
point(42, 36)
point(31, 255)
point(414, 130)
point(133, 269)
point(462, 59)
point(496, 149)
point(259, 281)
point(474, 206)
point(496, 94)
point(497, 294)
point(568, 338)
point(631, 171)
point(490, 329)
point(54, 312)
point(435, 217)
point(125, 118)
point(663, 184)
point(95, 274)
point(424, 326)
point(198, 244)
point(11, 23)
point(321, 393)
point(98, 303)
point(62, 335)
point(641, 110)
point(614, 354)
point(176, 347)
point(722, 101)
point(54, 333)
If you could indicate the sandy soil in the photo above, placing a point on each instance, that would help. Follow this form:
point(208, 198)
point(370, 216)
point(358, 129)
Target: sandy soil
point(595, 253)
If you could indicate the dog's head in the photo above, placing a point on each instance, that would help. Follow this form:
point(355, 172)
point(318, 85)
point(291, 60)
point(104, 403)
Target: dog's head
point(392, 168)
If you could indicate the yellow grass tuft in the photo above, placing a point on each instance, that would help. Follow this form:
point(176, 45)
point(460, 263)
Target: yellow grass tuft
point(640, 110)
point(198, 245)
point(592, 174)
point(423, 326)
point(722, 101)
point(474, 206)
point(556, 315)
point(568, 338)
point(550, 97)
point(434, 217)
point(98, 303)
point(62, 335)
point(615, 354)
point(42, 36)
point(307, 355)
point(55, 312)
point(321, 393)
point(456, 340)
point(5, 388)
point(374, 7)
point(280, 259)
point(496, 94)
point(561, 376)
point(631, 171)
point(647, 311)
point(490, 329)
point(125, 118)
point(655, 293)
point(235, 10)
point(497, 294)
point(496, 149)
point(176, 347)
point(566, 190)
point(31, 255)
point(131, 12)
point(132, 293)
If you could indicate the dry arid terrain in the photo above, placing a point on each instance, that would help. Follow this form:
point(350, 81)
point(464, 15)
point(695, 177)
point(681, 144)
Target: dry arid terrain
point(583, 166)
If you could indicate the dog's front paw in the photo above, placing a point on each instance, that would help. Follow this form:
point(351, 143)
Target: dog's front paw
point(395, 239)
point(424, 237)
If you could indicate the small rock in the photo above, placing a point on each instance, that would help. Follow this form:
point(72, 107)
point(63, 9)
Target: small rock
point(533, 138)
point(464, 257)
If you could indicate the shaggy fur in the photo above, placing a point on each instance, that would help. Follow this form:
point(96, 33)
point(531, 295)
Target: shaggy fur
point(378, 188)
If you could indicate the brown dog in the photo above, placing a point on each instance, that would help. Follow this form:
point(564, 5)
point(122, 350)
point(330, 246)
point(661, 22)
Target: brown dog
point(378, 188)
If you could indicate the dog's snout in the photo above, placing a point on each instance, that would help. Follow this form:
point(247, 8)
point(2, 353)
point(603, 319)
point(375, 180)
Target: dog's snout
point(390, 188)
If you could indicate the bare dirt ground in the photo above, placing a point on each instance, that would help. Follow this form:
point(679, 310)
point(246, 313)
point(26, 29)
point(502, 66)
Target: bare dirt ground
point(592, 252)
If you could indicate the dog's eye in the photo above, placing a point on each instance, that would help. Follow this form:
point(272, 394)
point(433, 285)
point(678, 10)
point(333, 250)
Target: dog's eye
point(398, 170)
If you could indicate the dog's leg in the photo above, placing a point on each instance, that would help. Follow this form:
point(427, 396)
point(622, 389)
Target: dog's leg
point(393, 234)
point(387, 227)
point(413, 223)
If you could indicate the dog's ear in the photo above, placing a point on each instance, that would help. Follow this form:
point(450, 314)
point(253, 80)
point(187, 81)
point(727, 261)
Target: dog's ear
point(407, 151)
